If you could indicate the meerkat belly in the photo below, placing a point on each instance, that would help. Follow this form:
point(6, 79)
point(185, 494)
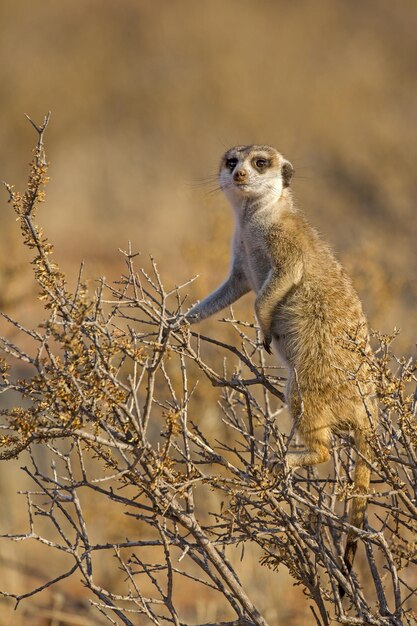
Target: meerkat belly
point(286, 333)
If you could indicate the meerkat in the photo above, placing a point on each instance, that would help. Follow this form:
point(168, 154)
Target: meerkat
point(307, 309)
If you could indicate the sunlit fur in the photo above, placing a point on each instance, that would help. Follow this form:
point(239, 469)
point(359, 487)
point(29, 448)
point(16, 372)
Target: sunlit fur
point(306, 307)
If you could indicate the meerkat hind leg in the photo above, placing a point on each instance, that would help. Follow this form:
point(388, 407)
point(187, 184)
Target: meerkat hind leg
point(317, 452)
point(314, 427)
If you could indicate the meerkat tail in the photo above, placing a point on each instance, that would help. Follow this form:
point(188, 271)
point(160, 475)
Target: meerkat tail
point(361, 484)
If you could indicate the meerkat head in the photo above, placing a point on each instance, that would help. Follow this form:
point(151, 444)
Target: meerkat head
point(254, 172)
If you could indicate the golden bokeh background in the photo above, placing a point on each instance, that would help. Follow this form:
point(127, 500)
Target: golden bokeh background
point(145, 96)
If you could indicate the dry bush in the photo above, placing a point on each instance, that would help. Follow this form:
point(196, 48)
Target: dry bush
point(103, 399)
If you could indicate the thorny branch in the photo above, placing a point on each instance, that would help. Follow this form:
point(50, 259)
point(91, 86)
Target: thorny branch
point(113, 399)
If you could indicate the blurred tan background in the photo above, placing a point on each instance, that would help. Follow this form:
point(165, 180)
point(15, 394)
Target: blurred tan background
point(145, 96)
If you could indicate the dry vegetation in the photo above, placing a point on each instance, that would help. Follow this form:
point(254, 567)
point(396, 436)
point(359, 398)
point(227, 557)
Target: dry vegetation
point(145, 98)
point(105, 411)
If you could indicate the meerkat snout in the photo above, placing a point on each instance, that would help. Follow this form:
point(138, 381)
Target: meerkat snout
point(240, 175)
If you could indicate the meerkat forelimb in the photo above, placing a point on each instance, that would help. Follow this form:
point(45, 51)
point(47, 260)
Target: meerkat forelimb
point(233, 288)
point(306, 307)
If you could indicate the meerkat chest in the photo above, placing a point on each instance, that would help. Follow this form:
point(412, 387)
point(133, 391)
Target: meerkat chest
point(257, 261)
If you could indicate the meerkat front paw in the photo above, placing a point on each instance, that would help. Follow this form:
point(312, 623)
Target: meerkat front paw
point(276, 465)
point(173, 324)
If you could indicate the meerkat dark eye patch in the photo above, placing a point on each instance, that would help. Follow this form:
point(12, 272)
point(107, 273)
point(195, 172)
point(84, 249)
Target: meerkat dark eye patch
point(261, 163)
point(231, 163)
point(287, 172)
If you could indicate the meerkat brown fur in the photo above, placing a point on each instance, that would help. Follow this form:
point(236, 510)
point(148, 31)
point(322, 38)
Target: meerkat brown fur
point(306, 307)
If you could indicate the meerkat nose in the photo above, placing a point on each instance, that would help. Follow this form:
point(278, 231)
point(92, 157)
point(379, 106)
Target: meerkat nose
point(240, 175)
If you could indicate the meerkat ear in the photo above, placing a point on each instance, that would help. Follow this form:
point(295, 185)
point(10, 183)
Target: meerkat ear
point(287, 171)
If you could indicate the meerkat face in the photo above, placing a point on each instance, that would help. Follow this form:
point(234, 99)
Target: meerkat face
point(254, 172)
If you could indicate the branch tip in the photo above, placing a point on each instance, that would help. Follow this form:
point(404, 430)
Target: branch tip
point(40, 129)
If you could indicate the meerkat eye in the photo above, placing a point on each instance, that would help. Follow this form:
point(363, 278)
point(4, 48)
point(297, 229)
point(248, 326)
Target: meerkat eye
point(261, 163)
point(231, 163)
